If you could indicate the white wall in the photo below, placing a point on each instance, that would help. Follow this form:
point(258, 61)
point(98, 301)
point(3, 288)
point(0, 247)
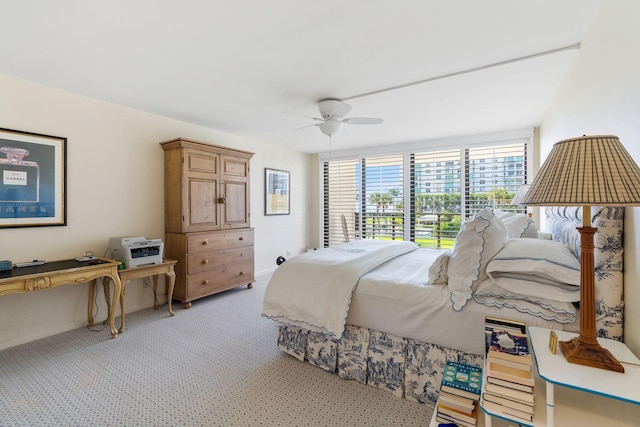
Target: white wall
point(115, 187)
point(601, 95)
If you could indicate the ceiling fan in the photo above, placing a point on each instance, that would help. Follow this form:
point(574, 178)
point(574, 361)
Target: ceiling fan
point(333, 114)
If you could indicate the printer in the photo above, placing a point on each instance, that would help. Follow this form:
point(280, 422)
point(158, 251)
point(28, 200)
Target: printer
point(136, 251)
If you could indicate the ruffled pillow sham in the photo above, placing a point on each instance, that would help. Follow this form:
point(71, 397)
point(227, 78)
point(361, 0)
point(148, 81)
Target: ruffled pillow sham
point(438, 270)
point(518, 225)
point(478, 240)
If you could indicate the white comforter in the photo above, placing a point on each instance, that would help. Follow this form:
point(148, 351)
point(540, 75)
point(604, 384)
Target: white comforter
point(304, 292)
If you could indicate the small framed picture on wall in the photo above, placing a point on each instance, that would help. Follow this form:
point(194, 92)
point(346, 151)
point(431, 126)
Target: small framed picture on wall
point(276, 189)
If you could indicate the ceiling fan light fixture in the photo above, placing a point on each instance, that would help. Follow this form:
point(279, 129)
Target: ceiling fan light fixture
point(330, 127)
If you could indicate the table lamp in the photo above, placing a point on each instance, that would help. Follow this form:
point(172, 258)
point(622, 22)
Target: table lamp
point(587, 171)
point(518, 199)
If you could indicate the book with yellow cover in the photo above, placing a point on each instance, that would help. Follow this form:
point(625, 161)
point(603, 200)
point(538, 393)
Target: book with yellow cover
point(526, 367)
point(509, 374)
point(468, 418)
point(510, 384)
point(501, 400)
point(497, 409)
point(457, 402)
point(518, 396)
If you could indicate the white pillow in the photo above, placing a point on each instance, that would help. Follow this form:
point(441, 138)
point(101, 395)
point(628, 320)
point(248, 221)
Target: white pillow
point(537, 268)
point(518, 225)
point(494, 296)
point(438, 270)
point(478, 240)
point(530, 285)
point(547, 259)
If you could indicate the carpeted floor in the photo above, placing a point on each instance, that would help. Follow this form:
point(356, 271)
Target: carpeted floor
point(215, 364)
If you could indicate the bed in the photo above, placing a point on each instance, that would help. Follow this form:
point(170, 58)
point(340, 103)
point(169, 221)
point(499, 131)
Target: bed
point(390, 314)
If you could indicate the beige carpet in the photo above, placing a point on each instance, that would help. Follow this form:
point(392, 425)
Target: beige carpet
point(215, 364)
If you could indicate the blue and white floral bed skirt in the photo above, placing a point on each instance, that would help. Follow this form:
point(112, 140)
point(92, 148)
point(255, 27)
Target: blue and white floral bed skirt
point(407, 368)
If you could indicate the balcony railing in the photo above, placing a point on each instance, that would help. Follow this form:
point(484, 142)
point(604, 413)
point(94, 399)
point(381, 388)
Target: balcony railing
point(432, 229)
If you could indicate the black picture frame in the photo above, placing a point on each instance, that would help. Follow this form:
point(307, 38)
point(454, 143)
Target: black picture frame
point(276, 192)
point(33, 179)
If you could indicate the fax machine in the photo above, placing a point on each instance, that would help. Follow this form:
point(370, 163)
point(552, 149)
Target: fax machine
point(136, 251)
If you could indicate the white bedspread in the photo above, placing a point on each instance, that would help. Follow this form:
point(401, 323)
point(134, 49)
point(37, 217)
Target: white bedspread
point(304, 292)
point(395, 298)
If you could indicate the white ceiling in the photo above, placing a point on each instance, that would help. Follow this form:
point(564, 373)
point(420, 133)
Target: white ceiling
point(239, 65)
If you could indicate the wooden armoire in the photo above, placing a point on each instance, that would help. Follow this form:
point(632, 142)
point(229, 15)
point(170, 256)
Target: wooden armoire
point(206, 195)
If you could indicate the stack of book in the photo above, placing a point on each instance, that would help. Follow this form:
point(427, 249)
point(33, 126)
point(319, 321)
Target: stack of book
point(459, 394)
point(509, 388)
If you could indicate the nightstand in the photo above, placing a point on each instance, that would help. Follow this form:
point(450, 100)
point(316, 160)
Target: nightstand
point(555, 370)
point(588, 396)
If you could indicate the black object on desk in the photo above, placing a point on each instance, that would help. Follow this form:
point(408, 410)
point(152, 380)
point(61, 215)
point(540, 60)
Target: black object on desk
point(46, 268)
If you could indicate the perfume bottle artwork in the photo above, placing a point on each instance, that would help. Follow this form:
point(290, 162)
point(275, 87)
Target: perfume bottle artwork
point(20, 178)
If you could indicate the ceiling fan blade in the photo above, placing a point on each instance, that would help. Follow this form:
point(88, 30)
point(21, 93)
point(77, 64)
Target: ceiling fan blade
point(340, 110)
point(307, 126)
point(362, 121)
point(303, 115)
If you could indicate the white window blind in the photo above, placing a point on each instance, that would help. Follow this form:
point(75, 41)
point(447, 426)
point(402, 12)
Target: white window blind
point(436, 197)
point(341, 201)
point(422, 196)
point(493, 175)
point(383, 198)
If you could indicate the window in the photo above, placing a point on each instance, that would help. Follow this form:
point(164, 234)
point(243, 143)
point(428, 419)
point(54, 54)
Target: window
point(341, 201)
point(419, 195)
point(435, 197)
point(503, 171)
point(382, 198)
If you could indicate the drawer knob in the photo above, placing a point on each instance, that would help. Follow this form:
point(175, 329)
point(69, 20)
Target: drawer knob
point(205, 242)
point(205, 261)
point(240, 238)
point(204, 282)
point(242, 273)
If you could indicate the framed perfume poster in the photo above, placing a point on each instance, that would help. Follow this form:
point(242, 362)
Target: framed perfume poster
point(33, 179)
point(276, 197)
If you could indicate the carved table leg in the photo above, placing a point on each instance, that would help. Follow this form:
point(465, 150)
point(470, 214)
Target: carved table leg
point(171, 276)
point(117, 296)
point(124, 287)
point(92, 298)
point(155, 292)
point(105, 288)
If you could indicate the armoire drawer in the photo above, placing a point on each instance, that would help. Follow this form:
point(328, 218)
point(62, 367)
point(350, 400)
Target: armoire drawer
point(210, 282)
point(217, 260)
point(207, 242)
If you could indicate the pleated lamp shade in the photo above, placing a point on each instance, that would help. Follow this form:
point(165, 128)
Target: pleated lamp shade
point(586, 171)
